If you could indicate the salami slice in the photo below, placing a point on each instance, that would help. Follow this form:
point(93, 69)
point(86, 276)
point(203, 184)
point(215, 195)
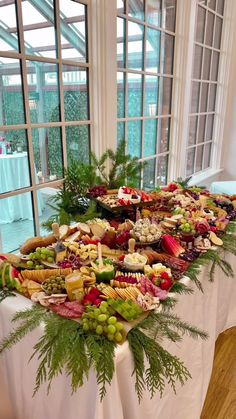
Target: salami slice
point(75, 306)
point(66, 312)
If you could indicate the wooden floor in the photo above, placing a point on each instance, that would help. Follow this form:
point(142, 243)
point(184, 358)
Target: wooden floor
point(220, 402)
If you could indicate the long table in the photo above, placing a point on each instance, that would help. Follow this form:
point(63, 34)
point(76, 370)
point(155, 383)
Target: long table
point(14, 175)
point(213, 311)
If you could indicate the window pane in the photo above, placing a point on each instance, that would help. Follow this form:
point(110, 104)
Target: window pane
point(166, 94)
point(136, 9)
point(212, 4)
point(39, 41)
point(201, 128)
point(220, 6)
point(199, 158)
point(154, 12)
point(75, 93)
point(150, 137)
point(197, 66)
point(212, 98)
point(209, 28)
point(204, 96)
point(134, 94)
point(78, 143)
point(8, 40)
point(218, 32)
point(167, 54)
point(134, 138)
point(206, 64)
point(120, 132)
point(11, 93)
point(162, 167)
point(164, 135)
point(200, 25)
point(151, 95)
point(153, 50)
point(207, 156)
point(47, 153)
point(192, 130)
point(42, 81)
point(44, 198)
point(190, 162)
point(135, 46)
point(16, 221)
point(215, 65)
point(120, 95)
point(120, 42)
point(14, 167)
point(120, 6)
point(195, 97)
point(149, 174)
point(168, 15)
point(73, 35)
point(209, 130)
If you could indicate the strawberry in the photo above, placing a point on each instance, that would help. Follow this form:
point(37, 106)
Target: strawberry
point(172, 187)
point(166, 284)
point(98, 301)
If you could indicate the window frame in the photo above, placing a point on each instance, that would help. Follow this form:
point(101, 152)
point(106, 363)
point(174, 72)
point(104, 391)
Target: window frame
point(62, 124)
point(183, 62)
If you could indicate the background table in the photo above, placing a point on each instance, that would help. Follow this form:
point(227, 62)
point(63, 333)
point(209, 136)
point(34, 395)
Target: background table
point(14, 174)
point(227, 187)
point(213, 311)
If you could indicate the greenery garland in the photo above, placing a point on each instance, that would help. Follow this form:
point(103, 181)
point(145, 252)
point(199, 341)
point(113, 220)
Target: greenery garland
point(64, 345)
point(215, 258)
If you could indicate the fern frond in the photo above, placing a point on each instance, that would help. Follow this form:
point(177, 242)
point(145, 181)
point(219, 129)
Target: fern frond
point(180, 288)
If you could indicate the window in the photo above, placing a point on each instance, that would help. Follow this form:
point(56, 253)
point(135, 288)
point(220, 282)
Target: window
point(145, 54)
point(207, 48)
point(44, 107)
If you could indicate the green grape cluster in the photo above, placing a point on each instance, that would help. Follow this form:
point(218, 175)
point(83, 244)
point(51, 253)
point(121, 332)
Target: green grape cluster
point(187, 226)
point(54, 285)
point(127, 309)
point(103, 322)
point(41, 254)
point(182, 211)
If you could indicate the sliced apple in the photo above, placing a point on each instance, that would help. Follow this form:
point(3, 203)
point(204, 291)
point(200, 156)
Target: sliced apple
point(73, 237)
point(215, 239)
point(63, 231)
point(84, 228)
point(97, 230)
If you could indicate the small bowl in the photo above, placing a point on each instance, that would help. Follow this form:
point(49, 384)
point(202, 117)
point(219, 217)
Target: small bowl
point(135, 266)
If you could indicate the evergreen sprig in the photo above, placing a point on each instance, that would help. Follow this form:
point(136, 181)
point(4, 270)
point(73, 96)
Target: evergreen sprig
point(144, 343)
point(162, 365)
point(4, 293)
point(180, 288)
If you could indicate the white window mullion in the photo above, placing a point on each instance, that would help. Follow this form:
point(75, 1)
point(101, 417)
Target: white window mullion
point(103, 75)
point(181, 97)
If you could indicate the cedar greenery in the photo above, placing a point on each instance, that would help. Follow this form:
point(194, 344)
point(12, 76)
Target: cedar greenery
point(62, 341)
point(215, 258)
point(162, 366)
point(4, 293)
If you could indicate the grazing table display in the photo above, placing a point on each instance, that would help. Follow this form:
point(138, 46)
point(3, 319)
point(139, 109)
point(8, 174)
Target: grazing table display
point(114, 306)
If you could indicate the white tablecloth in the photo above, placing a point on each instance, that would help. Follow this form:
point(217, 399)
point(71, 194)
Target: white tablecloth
point(14, 174)
point(213, 311)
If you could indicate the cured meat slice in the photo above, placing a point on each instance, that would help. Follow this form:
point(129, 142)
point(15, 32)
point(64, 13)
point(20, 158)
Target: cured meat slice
point(75, 306)
point(66, 312)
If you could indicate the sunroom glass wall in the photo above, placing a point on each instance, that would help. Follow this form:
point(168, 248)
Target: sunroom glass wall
point(44, 70)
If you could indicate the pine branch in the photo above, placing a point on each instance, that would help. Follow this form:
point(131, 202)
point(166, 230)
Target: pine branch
point(4, 293)
point(162, 365)
point(168, 303)
point(101, 354)
point(30, 319)
point(180, 288)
